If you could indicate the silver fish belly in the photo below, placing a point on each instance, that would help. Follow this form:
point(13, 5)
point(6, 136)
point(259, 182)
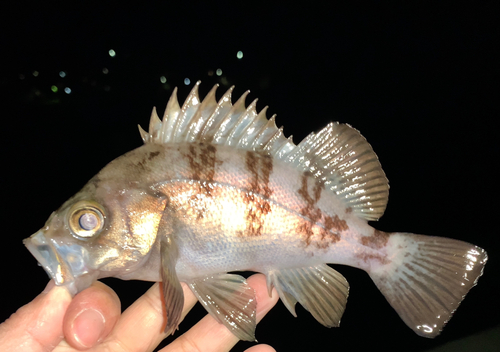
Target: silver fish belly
point(217, 188)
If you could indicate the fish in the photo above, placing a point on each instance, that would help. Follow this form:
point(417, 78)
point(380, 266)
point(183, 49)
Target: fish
point(217, 188)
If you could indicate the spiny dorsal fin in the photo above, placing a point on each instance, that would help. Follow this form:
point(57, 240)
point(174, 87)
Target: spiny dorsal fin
point(338, 155)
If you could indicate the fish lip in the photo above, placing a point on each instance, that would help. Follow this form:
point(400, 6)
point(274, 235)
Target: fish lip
point(51, 257)
point(48, 258)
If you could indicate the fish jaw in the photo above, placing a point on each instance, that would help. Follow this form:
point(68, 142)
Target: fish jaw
point(63, 263)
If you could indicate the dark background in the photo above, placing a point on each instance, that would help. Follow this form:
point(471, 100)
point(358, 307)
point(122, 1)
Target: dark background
point(421, 82)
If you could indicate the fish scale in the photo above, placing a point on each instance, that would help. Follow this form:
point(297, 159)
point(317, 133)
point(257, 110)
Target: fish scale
point(217, 188)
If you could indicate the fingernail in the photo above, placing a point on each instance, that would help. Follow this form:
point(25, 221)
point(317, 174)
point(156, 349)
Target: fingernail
point(88, 327)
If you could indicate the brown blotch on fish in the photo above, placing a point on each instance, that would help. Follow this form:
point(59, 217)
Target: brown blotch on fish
point(142, 164)
point(377, 257)
point(306, 227)
point(335, 224)
point(304, 191)
point(348, 210)
point(376, 241)
point(257, 208)
point(202, 162)
point(153, 155)
point(331, 232)
point(330, 227)
point(312, 213)
point(145, 161)
point(260, 168)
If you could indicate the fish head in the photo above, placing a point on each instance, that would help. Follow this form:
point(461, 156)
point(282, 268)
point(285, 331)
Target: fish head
point(107, 229)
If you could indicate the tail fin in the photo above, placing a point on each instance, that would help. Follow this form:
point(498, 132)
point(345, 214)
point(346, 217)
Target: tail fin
point(427, 278)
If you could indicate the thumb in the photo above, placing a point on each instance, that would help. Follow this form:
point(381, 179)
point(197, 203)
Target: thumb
point(37, 326)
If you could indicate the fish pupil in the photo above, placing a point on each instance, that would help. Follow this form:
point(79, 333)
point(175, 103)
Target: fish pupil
point(88, 221)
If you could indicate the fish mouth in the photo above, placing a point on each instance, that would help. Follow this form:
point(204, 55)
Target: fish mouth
point(65, 264)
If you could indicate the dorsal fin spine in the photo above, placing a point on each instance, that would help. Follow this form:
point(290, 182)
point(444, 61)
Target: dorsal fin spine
point(255, 124)
point(265, 132)
point(252, 121)
point(276, 142)
point(201, 116)
point(170, 117)
point(154, 122)
point(144, 134)
point(232, 118)
point(187, 109)
point(242, 117)
point(213, 122)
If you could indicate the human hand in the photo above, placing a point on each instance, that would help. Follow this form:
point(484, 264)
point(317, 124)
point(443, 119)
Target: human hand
point(92, 321)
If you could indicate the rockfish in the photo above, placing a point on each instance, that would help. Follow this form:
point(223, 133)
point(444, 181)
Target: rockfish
point(217, 188)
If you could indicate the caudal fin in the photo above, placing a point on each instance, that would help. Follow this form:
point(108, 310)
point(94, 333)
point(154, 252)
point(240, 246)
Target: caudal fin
point(426, 278)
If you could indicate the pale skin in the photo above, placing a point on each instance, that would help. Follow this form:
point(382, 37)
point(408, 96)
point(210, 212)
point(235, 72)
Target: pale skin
point(92, 321)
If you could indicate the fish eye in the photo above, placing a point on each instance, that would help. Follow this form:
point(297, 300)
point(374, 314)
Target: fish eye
point(86, 219)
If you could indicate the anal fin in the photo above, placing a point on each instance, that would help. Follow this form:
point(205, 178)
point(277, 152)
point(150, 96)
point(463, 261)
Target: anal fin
point(230, 300)
point(320, 289)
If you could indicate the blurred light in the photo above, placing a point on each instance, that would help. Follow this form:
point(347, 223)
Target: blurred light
point(218, 72)
point(107, 88)
point(163, 79)
point(62, 74)
point(187, 81)
point(54, 89)
point(35, 73)
point(105, 70)
point(112, 53)
point(239, 54)
point(67, 90)
point(21, 76)
point(210, 73)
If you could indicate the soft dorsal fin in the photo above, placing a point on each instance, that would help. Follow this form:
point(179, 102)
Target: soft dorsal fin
point(338, 155)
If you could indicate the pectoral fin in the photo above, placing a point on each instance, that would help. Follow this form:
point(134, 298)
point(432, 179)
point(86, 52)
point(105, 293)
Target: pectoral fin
point(230, 300)
point(319, 289)
point(172, 290)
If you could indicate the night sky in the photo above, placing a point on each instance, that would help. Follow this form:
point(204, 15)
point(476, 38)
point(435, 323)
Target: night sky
point(420, 82)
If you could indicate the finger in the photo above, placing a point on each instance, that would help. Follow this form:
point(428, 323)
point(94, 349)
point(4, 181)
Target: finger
point(209, 335)
point(37, 326)
point(91, 316)
point(141, 325)
point(260, 348)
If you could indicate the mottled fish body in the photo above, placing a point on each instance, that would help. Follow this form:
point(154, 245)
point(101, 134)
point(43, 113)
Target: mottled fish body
point(217, 188)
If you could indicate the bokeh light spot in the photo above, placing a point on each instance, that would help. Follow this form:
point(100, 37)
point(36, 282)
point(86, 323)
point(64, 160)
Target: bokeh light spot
point(105, 70)
point(54, 89)
point(239, 54)
point(218, 72)
point(62, 74)
point(112, 53)
point(187, 81)
point(163, 79)
point(67, 90)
